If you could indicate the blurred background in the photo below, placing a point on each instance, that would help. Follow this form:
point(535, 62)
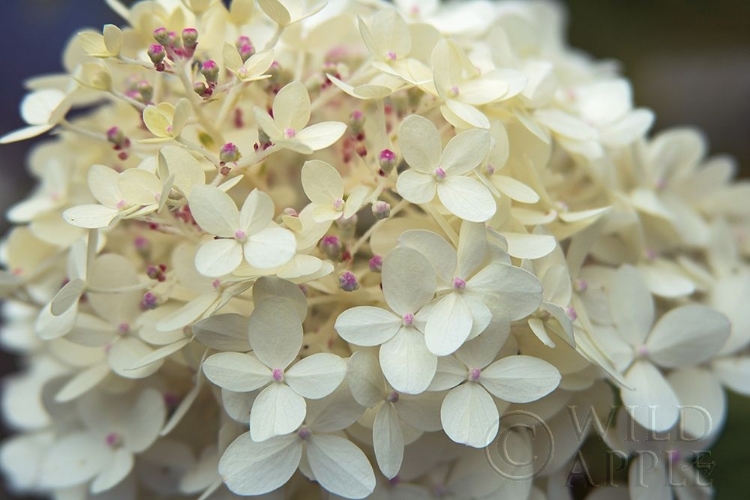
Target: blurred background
point(689, 61)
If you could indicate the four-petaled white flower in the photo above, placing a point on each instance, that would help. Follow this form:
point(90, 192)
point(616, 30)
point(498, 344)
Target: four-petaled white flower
point(247, 232)
point(323, 186)
point(434, 169)
point(683, 337)
point(288, 126)
point(275, 334)
point(408, 285)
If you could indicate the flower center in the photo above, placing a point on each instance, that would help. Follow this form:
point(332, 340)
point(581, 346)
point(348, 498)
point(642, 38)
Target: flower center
point(571, 313)
point(581, 285)
point(439, 174)
point(408, 319)
point(123, 328)
point(391, 55)
point(642, 350)
point(454, 91)
point(278, 374)
point(240, 235)
point(113, 439)
point(474, 374)
point(392, 397)
point(338, 204)
point(290, 133)
point(303, 432)
point(458, 284)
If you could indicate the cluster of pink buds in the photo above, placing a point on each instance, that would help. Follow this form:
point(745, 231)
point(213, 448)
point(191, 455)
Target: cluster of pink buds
point(245, 47)
point(210, 71)
point(119, 141)
point(171, 47)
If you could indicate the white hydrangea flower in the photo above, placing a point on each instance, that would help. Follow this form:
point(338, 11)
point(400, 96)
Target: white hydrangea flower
point(288, 126)
point(243, 234)
point(683, 337)
point(466, 283)
point(408, 285)
point(434, 169)
point(276, 338)
point(254, 468)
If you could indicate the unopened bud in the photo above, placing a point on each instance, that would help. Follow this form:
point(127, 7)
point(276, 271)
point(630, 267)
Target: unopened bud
point(381, 210)
point(161, 35)
point(332, 247)
point(156, 53)
point(189, 38)
point(245, 47)
point(229, 153)
point(202, 89)
point(387, 160)
point(145, 90)
point(376, 263)
point(210, 71)
point(348, 282)
point(149, 301)
point(356, 122)
point(117, 137)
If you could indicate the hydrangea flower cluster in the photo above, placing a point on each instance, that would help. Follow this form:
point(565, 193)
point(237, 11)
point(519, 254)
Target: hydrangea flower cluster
point(291, 249)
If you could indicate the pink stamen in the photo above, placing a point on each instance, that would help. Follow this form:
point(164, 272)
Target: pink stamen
point(642, 350)
point(391, 56)
point(392, 397)
point(408, 319)
point(458, 283)
point(581, 285)
point(278, 374)
point(303, 433)
point(439, 174)
point(112, 439)
point(240, 235)
point(571, 313)
point(338, 204)
point(290, 133)
point(474, 374)
point(123, 328)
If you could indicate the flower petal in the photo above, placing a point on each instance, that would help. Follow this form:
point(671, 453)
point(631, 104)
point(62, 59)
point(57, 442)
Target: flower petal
point(275, 332)
point(416, 187)
point(214, 211)
point(388, 440)
point(321, 135)
point(321, 182)
point(316, 376)
point(276, 411)
point(687, 335)
point(252, 468)
point(408, 280)
point(448, 325)
point(406, 362)
point(631, 304)
point(269, 248)
point(520, 379)
point(466, 198)
point(469, 415)
point(367, 325)
point(218, 257)
point(651, 402)
point(339, 466)
point(420, 143)
point(236, 372)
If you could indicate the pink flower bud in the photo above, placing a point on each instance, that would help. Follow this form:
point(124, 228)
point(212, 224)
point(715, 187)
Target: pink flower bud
point(387, 160)
point(161, 35)
point(376, 263)
point(348, 282)
point(332, 247)
point(189, 38)
point(210, 71)
point(229, 153)
point(156, 53)
point(381, 210)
